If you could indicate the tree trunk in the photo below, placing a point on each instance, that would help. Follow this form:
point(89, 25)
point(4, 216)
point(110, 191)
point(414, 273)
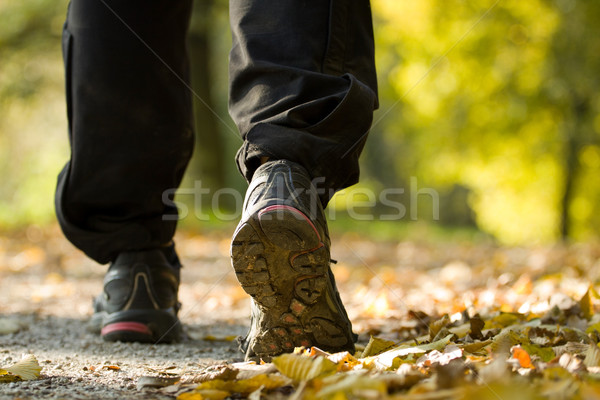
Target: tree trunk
point(570, 173)
point(208, 163)
point(573, 143)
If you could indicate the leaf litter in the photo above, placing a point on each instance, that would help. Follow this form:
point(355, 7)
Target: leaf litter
point(501, 322)
point(525, 355)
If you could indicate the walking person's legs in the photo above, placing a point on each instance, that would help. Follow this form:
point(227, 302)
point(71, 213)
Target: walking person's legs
point(302, 92)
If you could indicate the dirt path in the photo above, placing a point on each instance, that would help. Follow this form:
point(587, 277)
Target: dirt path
point(75, 362)
point(46, 287)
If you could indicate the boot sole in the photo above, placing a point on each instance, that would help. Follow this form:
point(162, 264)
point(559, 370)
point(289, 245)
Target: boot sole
point(282, 263)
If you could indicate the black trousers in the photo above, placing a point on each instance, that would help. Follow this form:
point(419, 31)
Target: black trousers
point(302, 88)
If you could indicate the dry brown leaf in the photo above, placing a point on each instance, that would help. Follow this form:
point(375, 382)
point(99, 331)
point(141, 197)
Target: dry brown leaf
point(224, 372)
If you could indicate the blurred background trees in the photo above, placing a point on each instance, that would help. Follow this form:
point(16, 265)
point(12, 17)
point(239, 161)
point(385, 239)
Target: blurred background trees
point(491, 103)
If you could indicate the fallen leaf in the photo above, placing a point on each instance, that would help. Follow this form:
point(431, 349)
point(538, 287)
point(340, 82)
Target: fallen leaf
point(352, 384)
point(218, 387)
point(571, 363)
point(26, 369)
point(495, 371)
point(257, 394)
point(211, 338)
point(522, 356)
point(436, 326)
point(503, 320)
point(476, 346)
point(247, 370)
point(476, 324)
point(450, 374)
point(155, 381)
point(386, 360)
point(544, 353)
point(376, 346)
point(450, 353)
point(592, 356)
point(224, 372)
point(302, 368)
point(503, 342)
point(204, 394)
point(170, 371)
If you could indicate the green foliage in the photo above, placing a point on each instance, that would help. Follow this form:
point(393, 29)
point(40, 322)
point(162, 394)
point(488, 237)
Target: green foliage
point(33, 136)
point(476, 93)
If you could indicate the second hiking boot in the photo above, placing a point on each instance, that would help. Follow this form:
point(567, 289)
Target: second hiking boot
point(139, 302)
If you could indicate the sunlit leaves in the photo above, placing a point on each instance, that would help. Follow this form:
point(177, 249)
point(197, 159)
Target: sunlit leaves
point(465, 355)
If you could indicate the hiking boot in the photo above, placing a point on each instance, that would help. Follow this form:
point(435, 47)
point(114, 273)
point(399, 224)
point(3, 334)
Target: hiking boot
point(280, 253)
point(139, 302)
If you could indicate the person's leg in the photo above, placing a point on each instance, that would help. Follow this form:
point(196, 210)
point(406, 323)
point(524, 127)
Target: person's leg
point(130, 123)
point(303, 85)
point(303, 91)
point(130, 129)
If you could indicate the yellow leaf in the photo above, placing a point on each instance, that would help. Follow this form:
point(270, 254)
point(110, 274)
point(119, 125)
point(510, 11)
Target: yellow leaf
point(503, 320)
point(7, 377)
point(26, 369)
point(300, 368)
point(503, 341)
point(386, 360)
point(593, 327)
point(556, 373)
point(212, 338)
point(585, 303)
point(545, 353)
point(592, 356)
point(461, 330)
point(246, 386)
point(204, 394)
point(353, 384)
point(376, 346)
point(344, 360)
point(501, 390)
point(476, 346)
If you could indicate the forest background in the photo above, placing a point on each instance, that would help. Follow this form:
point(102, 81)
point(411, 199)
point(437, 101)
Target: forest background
point(491, 105)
